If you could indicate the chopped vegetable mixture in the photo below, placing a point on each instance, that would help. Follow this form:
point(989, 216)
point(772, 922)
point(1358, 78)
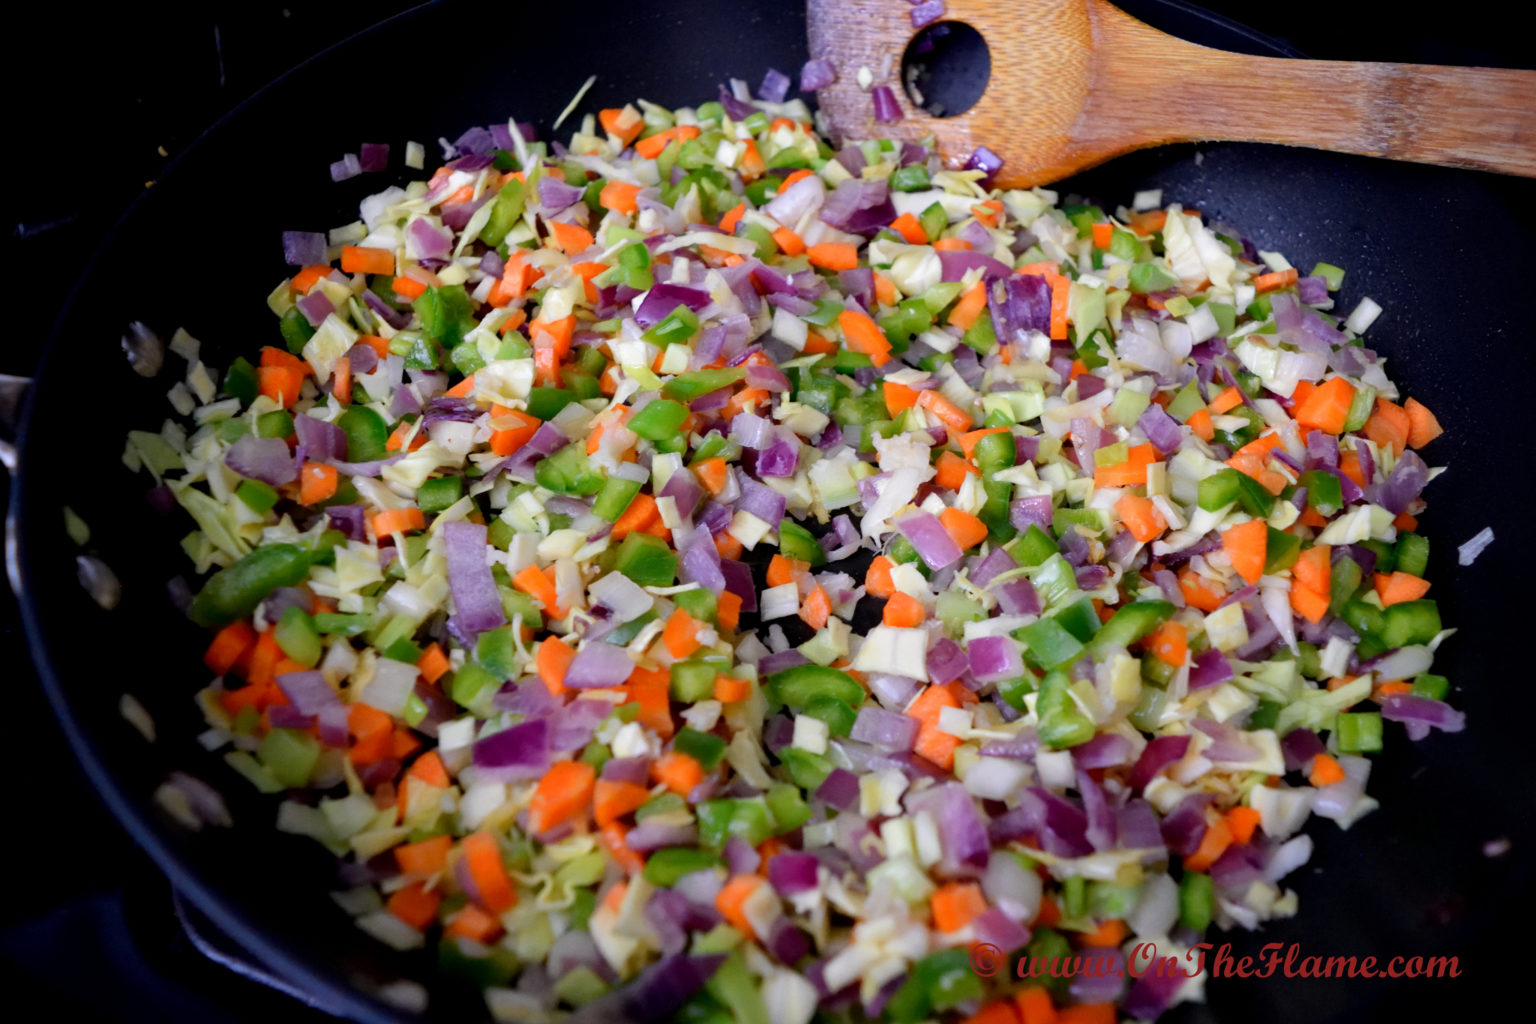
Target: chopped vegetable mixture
point(694, 571)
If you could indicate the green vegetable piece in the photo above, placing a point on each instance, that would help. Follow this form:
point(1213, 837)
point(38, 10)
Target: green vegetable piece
point(446, 313)
point(335, 624)
point(297, 636)
point(675, 328)
point(1133, 621)
point(258, 496)
point(1360, 408)
point(937, 982)
point(545, 402)
point(367, 433)
point(1343, 582)
point(240, 381)
point(295, 329)
point(1410, 622)
point(496, 652)
point(797, 687)
point(705, 748)
point(719, 820)
point(1358, 732)
point(615, 497)
point(686, 387)
point(666, 803)
point(1034, 547)
point(472, 688)
point(1062, 725)
point(1434, 687)
point(660, 419)
point(1325, 495)
point(996, 452)
point(235, 591)
point(808, 770)
point(838, 715)
point(1265, 715)
point(1281, 550)
point(796, 542)
point(1047, 644)
point(506, 211)
point(788, 808)
point(569, 471)
point(1146, 278)
point(1197, 898)
point(1411, 554)
point(438, 493)
point(289, 755)
point(1079, 619)
point(647, 560)
point(278, 424)
point(1332, 275)
point(667, 865)
point(909, 179)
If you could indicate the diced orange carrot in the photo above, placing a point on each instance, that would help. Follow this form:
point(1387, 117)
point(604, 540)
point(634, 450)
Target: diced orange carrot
point(1389, 426)
point(678, 772)
point(317, 483)
point(1275, 280)
point(1200, 422)
point(1246, 545)
point(398, 520)
point(956, 904)
point(1130, 473)
point(816, 608)
point(877, 580)
point(1313, 568)
point(1225, 402)
point(966, 530)
point(611, 799)
point(429, 768)
point(1087, 1013)
point(1218, 836)
point(470, 922)
point(1399, 587)
point(1000, 1012)
point(910, 228)
point(863, 335)
point(229, 645)
point(638, 517)
point(553, 659)
point(427, 857)
point(969, 308)
point(681, 634)
point(902, 609)
point(833, 256)
point(728, 609)
point(1141, 517)
point(306, 279)
point(416, 905)
point(1034, 1002)
point(493, 887)
point(1170, 643)
point(789, 243)
point(933, 744)
point(732, 898)
point(619, 196)
point(952, 245)
point(652, 690)
point(955, 419)
point(1242, 820)
point(361, 260)
point(732, 217)
point(729, 689)
point(532, 581)
point(1325, 771)
point(1308, 603)
point(564, 792)
point(570, 238)
point(1327, 407)
point(1103, 234)
point(613, 122)
point(951, 470)
point(898, 396)
point(1422, 425)
point(1109, 933)
point(280, 383)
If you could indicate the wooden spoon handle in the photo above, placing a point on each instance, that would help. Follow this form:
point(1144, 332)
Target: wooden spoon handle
point(1076, 82)
point(1149, 88)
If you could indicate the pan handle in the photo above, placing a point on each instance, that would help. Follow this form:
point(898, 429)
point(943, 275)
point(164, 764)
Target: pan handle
point(12, 392)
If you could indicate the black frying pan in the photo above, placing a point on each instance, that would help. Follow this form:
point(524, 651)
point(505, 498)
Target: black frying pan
point(1443, 250)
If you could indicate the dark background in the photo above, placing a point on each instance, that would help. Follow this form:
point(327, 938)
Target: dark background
point(101, 102)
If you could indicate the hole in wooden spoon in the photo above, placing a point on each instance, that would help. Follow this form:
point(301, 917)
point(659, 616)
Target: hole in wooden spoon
point(945, 68)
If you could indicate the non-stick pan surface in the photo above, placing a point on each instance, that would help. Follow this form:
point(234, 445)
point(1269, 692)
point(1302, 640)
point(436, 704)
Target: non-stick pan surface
point(1444, 251)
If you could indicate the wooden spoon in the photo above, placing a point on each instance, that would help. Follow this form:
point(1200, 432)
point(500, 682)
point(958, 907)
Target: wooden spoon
point(1075, 82)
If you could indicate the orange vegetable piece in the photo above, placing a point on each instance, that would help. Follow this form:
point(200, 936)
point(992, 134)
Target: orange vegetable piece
point(1170, 643)
point(1325, 771)
point(678, 772)
point(966, 529)
point(1218, 836)
point(732, 898)
point(956, 905)
point(1246, 545)
point(482, 857)
point(898, 396)
point(863, 335)
point(951, 470)
point(1422, 425)
point(570, 238)
point(361, 260)
point(564, 792)
point(427, 857)
point(903, 609)
point(612, 800)
point(1327, 407)
point(910, 228)
point(229, 645)
point(317, 483)
point(1241, 821)
point(1141, 517)
point(816, 608)
point(877, 580)
point(833, 256)
point(969, 308)
point(1400, 587)
point(415, 905)
point(681, 634)
point(956, 420)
